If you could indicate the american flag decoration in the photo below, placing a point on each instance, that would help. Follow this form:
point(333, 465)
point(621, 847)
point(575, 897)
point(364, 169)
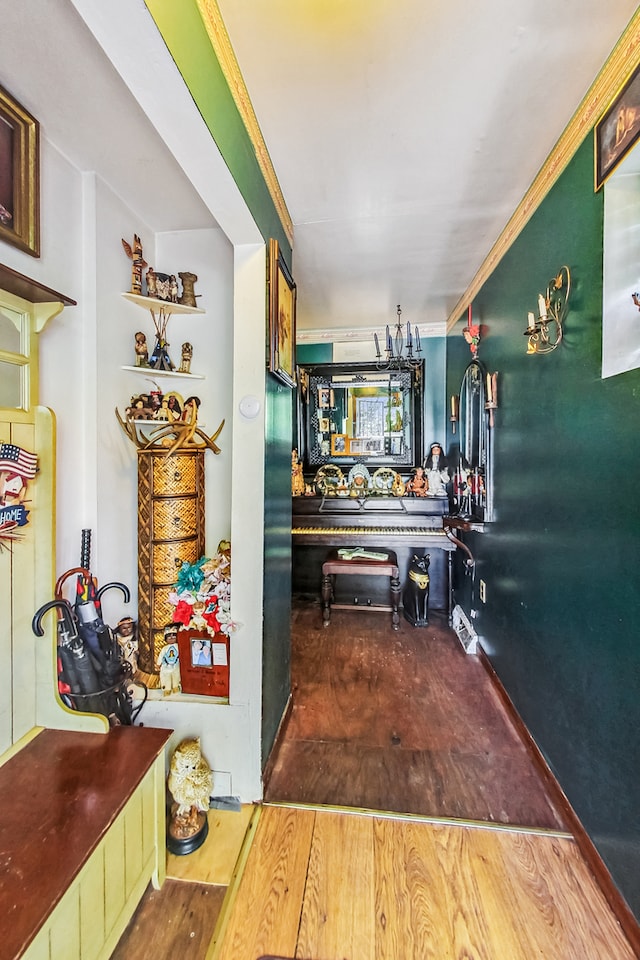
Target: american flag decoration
point(17, 460)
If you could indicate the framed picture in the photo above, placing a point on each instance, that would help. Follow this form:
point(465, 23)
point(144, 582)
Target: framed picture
point(339, 445)
point(323, 424)
point(357, 447)
point(282, 318)
point(19, 176)
point(618, 129)
point(324, 398)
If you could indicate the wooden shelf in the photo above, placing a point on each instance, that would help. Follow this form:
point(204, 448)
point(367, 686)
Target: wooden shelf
point(150, 372)
point(31, 290)
point(166, 306)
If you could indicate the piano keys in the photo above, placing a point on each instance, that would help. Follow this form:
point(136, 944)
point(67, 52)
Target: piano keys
point(405, 525)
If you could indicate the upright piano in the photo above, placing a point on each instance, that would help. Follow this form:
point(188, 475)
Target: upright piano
point(408, 526)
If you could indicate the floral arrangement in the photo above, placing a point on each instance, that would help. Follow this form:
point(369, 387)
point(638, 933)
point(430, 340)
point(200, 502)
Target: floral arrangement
point(202, 594)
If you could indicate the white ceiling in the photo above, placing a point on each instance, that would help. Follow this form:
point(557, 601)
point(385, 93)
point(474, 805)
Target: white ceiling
point(403, 134)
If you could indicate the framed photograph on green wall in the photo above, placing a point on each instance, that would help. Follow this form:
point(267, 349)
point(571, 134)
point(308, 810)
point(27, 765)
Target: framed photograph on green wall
point(618, 129)
point(282, 318)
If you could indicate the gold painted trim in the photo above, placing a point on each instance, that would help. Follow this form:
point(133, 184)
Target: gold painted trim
point(490, 825)
point(217, 33)
point(614, 74)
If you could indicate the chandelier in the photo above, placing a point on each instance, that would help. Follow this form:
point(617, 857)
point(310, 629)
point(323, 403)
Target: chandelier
point(398, 352)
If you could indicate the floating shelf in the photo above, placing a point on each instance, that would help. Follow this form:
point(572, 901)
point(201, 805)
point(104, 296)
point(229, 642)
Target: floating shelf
point(150, 372)
point(166, 306)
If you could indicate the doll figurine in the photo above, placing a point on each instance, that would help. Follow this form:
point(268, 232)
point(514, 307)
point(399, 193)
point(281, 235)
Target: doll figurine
point(142, 354)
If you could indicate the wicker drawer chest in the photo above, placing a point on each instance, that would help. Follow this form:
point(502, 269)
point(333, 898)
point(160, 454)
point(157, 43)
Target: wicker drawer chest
point(170, 531)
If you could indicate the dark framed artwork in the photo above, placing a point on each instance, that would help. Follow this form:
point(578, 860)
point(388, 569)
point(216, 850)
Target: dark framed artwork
point(19, 176)
point(618, 129)
point(282, 318)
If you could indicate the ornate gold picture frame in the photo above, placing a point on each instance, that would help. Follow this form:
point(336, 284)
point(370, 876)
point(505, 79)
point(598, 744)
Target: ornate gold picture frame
point(19, 176)
point(618, 129)
point(282, 318)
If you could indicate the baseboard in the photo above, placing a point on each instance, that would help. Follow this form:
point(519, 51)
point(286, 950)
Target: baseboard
point(271, 759)
point(588, 849)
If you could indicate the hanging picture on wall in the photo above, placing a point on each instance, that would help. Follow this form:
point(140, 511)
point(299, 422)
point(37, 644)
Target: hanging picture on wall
point(282, 318)
point(19, 176)
point(618, 129)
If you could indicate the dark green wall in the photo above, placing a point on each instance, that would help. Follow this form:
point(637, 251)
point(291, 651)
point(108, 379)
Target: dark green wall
point(189, 45)
point(561, 560)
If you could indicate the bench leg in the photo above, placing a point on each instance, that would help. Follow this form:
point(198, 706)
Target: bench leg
point(395, 601)
point(326, 599)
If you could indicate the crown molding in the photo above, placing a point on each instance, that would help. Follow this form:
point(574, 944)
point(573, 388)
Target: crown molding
point(364, 334)
point(219, 38)
point(614, 74)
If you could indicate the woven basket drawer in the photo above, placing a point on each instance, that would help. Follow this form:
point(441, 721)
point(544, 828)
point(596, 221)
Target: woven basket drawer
point(174, 475)
point(163, 612)
point(175, 517)
point(168, 557)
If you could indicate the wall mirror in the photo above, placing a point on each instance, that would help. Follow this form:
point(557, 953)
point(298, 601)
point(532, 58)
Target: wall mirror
point(475, 470)
point(356, 413)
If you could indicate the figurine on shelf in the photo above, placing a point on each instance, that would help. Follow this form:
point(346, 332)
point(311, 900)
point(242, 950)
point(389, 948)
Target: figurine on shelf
point(437, 470)
point(160, 359)
point(142, 354)
point(134, 252)
point(297, 477)
point(173, 289)
point(168, 662)
point(188, 298)
point(152, 288)
point(127, 640)
point(187, 354)
point(418, 485)
point(140, 408)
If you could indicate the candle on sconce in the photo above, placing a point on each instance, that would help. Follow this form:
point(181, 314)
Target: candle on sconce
point(494, 388)
point(375, 340)
point(409, 340)
point(542, 307)
point(389, 346)
point(489, 392)
point(418, 344)
point(531, 320)
point(454, 406)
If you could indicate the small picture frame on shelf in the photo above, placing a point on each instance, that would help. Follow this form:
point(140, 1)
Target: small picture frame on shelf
point(323, 424)
point(339, 445)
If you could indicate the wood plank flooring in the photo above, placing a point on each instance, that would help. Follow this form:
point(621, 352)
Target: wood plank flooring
point(407, 728)
point(323, 885)
point(403, 721)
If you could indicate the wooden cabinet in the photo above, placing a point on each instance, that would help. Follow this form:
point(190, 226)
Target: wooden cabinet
point(171, 531)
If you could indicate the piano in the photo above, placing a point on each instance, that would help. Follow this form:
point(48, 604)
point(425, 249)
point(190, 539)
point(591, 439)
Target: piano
point(405, 525)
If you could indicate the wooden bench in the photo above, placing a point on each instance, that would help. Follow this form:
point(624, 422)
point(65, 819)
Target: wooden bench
point(82, 833)
point(335, 565)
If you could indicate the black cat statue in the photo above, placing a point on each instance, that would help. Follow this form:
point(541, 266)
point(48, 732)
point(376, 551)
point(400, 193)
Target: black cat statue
point(415, 597)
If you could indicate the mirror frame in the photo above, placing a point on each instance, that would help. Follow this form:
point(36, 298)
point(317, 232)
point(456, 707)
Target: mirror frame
point(312, 377)
point(475, 437)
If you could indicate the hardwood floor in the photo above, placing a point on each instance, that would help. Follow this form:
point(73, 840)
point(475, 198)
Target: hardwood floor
point(406, 730)
point(402, 721)
point(324, 885)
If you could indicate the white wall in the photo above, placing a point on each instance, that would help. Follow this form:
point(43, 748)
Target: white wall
point(82, 353)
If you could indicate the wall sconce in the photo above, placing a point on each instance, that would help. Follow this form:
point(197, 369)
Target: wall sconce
point(545, 333)
point(491, 397)
point(455, 412)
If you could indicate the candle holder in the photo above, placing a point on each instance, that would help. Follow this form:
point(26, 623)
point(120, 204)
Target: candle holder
point(491, 401)
point(455, 412)
point(545, 333)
